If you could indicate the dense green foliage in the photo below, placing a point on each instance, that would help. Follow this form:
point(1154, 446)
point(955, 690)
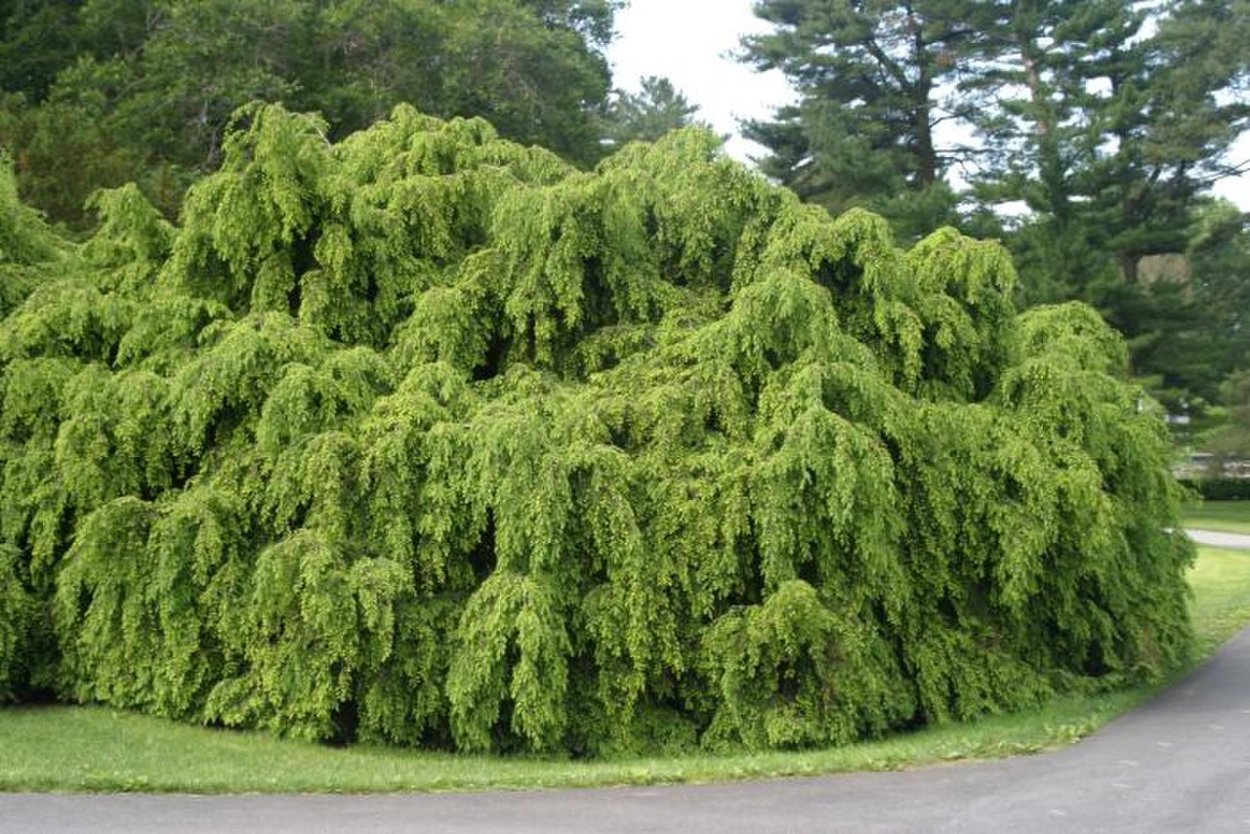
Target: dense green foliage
point(429, 438)
point(1220, 489)
point(869, 77)
point(656, 109)
point(142, 89)
point(1231, 440)
point(1083, 133)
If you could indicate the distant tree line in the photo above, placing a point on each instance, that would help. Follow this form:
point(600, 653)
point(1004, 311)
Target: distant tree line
point(102, 92)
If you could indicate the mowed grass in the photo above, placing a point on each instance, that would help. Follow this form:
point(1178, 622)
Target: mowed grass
point(100, 749)
point(1222, 516)
point(1221, 604)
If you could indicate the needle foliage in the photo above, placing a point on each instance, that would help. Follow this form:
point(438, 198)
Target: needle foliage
point(428, 438)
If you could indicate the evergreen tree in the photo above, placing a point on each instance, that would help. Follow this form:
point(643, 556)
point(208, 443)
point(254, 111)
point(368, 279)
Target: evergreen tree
point(1106, 120)
point(426, 437)
point(870, 76)
point(1124, 116)
point(1230, 440)
point(1129, 121)
point(1219, 257)
point(658, 108)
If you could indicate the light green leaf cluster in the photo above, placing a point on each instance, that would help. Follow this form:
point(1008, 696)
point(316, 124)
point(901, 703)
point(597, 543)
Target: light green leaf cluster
point(430, 439)
point(25, 241)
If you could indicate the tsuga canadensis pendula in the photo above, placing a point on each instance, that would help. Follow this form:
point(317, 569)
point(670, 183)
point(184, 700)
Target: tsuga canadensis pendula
point(431, 439)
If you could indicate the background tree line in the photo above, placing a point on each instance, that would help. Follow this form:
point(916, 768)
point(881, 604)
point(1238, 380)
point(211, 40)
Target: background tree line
point(102, 92)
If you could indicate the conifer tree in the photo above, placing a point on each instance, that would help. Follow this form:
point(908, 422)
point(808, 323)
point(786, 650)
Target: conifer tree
point(1123, 117)
point(428, 438)
point(870, 76)
point(655, 110)
point(1105, 121)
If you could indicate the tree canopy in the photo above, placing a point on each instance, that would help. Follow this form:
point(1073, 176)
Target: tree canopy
point(427, 437)
point(1100, 125)
point(656, 109)
point(143, 89)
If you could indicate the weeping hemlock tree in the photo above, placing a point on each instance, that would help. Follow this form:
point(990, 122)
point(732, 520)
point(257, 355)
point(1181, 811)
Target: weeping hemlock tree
point(426, 437)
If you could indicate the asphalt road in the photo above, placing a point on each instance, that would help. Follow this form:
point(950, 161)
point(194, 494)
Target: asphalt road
point(1235, 541)
point(1180, 763)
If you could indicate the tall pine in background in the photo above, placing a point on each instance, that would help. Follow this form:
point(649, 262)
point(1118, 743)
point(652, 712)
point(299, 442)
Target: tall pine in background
point(656, 109)
point(875, 82)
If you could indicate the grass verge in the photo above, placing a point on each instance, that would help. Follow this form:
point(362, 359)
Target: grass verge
point(1221, 516)
point(100, 749)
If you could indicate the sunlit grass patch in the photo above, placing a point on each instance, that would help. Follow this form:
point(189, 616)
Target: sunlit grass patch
point(1222, 516)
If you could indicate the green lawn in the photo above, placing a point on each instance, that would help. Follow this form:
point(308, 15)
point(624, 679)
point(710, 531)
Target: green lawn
point(95, 748)
point(1224, 516)
point(1221, 603)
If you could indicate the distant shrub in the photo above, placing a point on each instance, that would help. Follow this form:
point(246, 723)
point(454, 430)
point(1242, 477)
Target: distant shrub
point(1220, 489)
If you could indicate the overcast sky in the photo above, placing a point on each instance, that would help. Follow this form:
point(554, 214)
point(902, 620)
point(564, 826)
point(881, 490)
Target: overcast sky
point(689, 40)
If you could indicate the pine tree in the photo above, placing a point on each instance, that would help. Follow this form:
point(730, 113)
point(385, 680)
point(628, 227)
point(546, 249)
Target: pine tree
point(1106, 121)
point(1122, 120)
point(870, 76)
point(658, 108)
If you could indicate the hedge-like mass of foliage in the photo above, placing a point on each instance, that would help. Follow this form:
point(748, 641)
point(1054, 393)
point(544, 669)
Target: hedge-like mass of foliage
point(429, 438)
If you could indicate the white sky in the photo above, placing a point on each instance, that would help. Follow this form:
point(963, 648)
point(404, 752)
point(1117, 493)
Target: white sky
point(689, 40)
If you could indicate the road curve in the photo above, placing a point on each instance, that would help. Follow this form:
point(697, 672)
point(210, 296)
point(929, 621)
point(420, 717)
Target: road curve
point(1180, 763)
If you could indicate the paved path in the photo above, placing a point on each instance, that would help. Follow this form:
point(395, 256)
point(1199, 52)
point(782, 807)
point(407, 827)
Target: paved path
point(1181, 763)
point(1236, 541)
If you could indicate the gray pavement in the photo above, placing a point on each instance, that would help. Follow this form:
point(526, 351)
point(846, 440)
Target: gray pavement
point(1180, 763)
point(1236, 541)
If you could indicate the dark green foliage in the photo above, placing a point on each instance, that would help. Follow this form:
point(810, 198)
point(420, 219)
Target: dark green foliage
point(143, 90)
point(655, 110)
point(39, 41)
point(869, 76)
point(25, 242)
point(1220, 489)
point(17, 609)
point(1231, 440)
point(424, 437)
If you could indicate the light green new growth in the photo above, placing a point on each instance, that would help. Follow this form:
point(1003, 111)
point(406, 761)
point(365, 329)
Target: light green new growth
point(429, 438)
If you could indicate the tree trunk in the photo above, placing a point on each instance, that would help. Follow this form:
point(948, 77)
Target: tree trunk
point(1049, 159)
point(1129, 261)
point(922, 108)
